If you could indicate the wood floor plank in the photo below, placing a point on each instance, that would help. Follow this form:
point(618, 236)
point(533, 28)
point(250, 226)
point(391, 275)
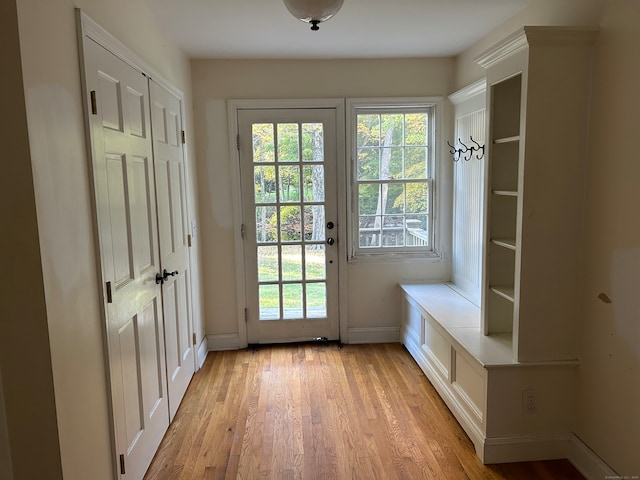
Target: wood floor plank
point(320, 412)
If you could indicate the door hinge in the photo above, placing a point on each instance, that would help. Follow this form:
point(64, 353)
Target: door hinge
point(94, 103)
point(122, 470)
point(109, 295)
point(194, 338)
point(183, 138)
point(238, 142)
point(246, 315)
point(242, 231)
point(189, 239)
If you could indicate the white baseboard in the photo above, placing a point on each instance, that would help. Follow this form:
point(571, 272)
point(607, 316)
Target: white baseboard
point(373, 335)
point(220, 342)
point(355, 335)
point(531, 448)
point(202, 352)
point(526, 448)
point(587, 462)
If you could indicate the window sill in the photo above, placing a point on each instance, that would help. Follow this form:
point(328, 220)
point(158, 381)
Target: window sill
point(418, 257)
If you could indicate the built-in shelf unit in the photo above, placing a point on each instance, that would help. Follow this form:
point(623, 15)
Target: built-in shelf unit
point(485, 361)
point(537, 91)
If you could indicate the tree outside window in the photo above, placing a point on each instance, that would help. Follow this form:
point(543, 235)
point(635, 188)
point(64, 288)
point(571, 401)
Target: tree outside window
point(393, 152)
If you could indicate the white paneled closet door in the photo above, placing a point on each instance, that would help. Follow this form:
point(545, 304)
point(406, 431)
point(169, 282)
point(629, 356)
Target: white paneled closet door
point(140, 186)
point(127, 223)
point(468, 188)
point(173, 231)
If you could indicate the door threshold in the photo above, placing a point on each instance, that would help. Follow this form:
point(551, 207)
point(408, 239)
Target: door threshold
point(254, 347)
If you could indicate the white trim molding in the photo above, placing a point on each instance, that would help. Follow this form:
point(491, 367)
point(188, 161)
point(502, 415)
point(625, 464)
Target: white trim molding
point(220, 342)
point(587, 462)
point(468, 92)
point(510, 45)
point(203, 349)
point(525, 448)
point(373, 335)
point(536, 35)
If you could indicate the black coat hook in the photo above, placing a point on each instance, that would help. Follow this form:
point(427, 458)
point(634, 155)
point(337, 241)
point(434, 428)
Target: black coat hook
point(467, 151)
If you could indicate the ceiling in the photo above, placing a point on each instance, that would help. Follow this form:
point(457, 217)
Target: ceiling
point(361, 29)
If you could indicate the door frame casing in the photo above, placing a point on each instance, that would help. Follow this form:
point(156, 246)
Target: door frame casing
point(233, 107)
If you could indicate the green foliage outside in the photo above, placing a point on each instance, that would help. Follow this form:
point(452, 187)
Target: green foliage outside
point(268, 270)
point(391, 147)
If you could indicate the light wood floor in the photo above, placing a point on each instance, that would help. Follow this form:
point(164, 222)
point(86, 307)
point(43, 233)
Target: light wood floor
point(316, 411)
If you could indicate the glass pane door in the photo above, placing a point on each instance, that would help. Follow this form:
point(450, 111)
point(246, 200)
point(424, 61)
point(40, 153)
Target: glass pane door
point(289, 210)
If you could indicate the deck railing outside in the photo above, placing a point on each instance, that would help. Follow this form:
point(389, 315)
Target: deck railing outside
point(395, 236)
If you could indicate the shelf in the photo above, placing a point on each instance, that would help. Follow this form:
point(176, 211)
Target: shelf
point(513, 139)
point(504, 291)
point(505, 193)
point(509, 243)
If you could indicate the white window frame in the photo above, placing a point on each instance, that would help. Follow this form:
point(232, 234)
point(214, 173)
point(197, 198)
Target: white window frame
point(355, 253)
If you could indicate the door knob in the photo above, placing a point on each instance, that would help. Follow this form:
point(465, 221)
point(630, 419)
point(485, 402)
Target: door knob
point(166, 274)
point(331, 240)
point(160, 279)
point(330, 225)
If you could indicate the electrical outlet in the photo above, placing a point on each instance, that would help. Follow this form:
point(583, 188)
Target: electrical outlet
point(528, 401)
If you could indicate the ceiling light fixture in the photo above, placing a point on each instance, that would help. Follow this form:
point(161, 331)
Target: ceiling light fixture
point(313, 11)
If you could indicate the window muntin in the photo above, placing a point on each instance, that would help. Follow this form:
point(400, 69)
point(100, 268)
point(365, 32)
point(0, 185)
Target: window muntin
point(288, 162)
point(392, 179)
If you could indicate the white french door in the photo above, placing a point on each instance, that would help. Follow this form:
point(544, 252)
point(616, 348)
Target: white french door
point(288, 160)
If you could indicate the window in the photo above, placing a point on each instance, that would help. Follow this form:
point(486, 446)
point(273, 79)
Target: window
point(392, 151)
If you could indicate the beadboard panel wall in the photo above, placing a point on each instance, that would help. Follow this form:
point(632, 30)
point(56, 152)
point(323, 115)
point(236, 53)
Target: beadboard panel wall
point(468, 184)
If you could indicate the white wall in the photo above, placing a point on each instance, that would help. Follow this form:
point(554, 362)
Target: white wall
point(372, 288)
point(25, 361)
point(6, 465)
point(538, 12)
point(63, 198)
point(609, 384)
point(609, 409)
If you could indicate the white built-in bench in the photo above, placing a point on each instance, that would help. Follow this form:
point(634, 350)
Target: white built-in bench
point(481, 383)
point(460, 318)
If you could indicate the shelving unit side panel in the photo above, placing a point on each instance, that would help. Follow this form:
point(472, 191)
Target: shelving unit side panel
point(552, 209)
point(547, 326)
